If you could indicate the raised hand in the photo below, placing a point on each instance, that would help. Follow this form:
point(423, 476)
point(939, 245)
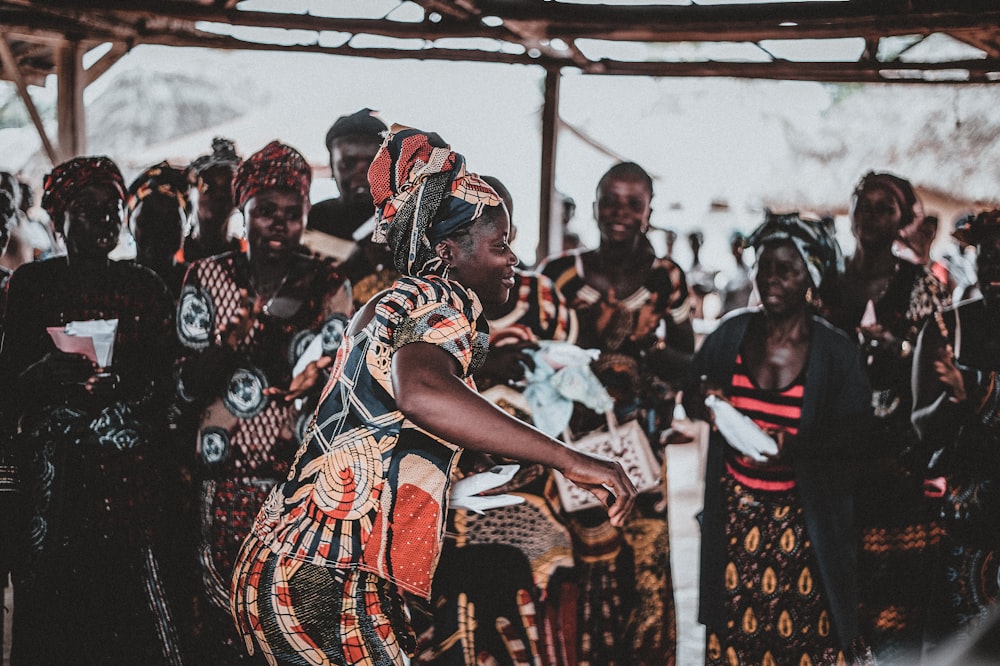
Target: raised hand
point(949, 374)
point(303, 382)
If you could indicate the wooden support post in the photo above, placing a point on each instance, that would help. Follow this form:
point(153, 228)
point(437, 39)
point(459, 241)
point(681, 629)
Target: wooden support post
point(548, 241)
point(72, 125)
point(10, 64)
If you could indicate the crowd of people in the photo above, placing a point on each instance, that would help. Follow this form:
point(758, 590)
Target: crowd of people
point(248, 457)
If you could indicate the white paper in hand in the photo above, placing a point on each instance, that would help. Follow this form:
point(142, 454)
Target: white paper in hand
point(94, 338)
point(740, 431)
point(465, 492)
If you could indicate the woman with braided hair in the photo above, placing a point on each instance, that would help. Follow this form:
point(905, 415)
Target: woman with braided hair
point(359, 521)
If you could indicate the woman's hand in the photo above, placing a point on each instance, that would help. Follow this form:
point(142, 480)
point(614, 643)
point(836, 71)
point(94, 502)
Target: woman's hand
point(949, 374)
point(303, 382)
point(506, 364)
point(877, 336)
point(58, 368)
point(606, 479)
point(103, 383)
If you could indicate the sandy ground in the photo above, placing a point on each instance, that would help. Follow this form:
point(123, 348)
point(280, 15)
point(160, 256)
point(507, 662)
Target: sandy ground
point(685, 470)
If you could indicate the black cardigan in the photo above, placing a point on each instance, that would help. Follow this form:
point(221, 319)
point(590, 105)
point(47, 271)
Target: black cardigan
point(835, 413)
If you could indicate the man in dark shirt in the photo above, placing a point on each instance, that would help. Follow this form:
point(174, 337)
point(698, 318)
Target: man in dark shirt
point(353, 141)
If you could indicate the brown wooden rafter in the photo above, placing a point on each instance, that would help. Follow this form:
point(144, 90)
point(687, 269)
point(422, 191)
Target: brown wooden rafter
point(535, 28)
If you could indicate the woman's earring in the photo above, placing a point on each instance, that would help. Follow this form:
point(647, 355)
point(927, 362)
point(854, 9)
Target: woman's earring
point(809, 295)
point(447, 269)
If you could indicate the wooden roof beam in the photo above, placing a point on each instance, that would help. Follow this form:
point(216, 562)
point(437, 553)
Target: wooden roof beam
point(454, 55)
point(142, 14)
point(10, 66)
point(748, 22)
point(96, 70)
point(841, 72)
point(546, 21)
point(979, 71)
point(984, 42)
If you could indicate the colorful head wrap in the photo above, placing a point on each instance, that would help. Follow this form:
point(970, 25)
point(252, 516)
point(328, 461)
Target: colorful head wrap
point(67, 179)
point(160, 179)
point(364, 123)
point(975, 229)
point(422, 195)
point(900, 189)
point(274, 165)
point(223, 154)
point(810, 237)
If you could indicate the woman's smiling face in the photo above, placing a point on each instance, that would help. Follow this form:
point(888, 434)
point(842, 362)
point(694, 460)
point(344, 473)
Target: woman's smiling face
point(482, 259)
point(622, 209)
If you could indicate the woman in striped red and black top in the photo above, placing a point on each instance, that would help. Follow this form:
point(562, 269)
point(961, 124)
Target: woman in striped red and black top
point(778, 556)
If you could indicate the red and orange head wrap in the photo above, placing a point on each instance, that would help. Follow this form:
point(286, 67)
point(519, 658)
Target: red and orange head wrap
point(422, 194)
point(67, 179)
point(274, 165)
point(160, 179)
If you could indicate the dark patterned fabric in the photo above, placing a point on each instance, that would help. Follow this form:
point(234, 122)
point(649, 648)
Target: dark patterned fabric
point(422, 194)
point(93, 474)
point(817, 247)
point(625, 607)
point(245, 439)
point(967, 434)
point(66, 180)
point(535, 311)
point(775, 604)
point(274, 165)
point(897, 528)
point(302, 611)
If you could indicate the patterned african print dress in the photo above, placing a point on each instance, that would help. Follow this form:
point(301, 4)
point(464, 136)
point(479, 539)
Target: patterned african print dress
point(245, 440)
point(360, 519)
point(775, 607)
point(898, 532)
point(625, 606)
point(91, 476)
point(966, 584)
point(496, 566)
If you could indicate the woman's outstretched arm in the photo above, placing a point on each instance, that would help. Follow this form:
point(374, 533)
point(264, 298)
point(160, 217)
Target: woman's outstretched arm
point(430, 393)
